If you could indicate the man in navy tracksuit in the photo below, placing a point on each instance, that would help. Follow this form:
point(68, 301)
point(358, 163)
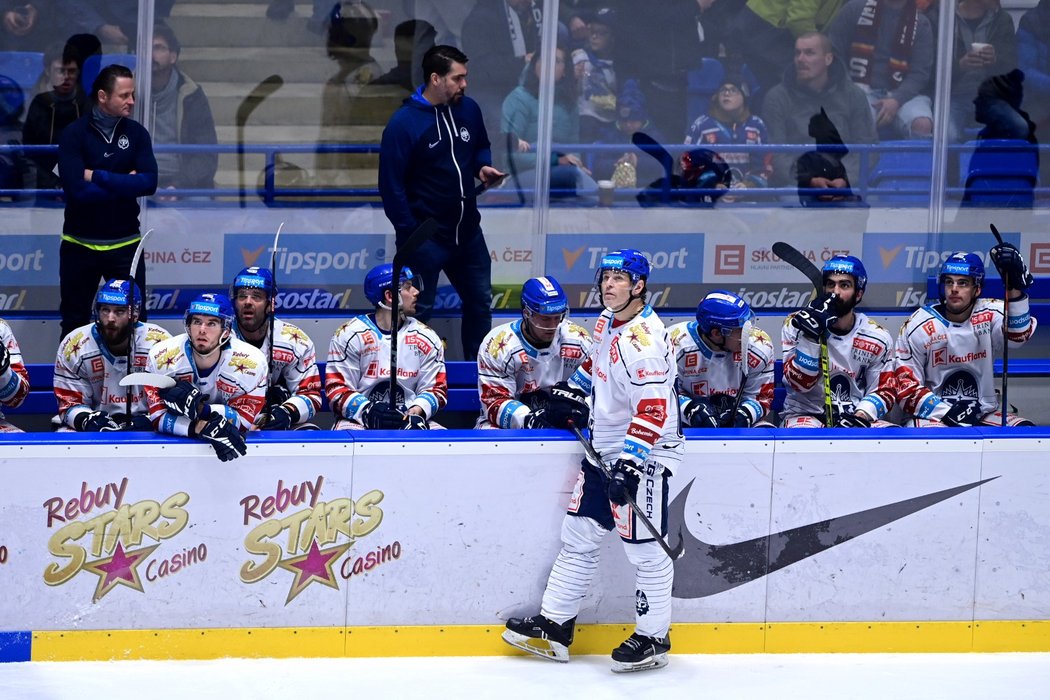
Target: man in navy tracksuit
point(433, 148)
point(105, 161)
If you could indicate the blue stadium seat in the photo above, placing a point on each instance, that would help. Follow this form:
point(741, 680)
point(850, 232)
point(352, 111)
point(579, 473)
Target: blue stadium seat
point(999, 173)
point(903, 174)
point(94, 64)
point(23, 67)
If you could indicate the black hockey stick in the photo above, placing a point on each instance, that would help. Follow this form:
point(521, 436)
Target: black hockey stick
point(244, 110)
point(131, 326)
point(651, 146)
point(1006, 330)
point(418, 237)
point(800, 262)
point(596, 458)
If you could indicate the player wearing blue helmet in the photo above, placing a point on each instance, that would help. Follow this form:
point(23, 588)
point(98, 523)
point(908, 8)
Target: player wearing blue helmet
point(725, 364)
point(523, 365)
point(946, 351)
point(630, 375)
point(860, 355)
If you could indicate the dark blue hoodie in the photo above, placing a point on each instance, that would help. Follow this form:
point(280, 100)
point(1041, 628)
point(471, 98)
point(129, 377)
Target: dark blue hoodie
point(429, 158)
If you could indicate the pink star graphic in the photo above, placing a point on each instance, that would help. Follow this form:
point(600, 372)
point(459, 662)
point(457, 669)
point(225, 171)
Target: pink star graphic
point(315, 565)
point(119, 568)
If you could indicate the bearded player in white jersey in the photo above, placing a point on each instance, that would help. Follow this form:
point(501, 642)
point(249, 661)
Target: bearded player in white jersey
point(630, 377)
point(860, 356)
point(93, 359)
point(717, 390)
point(946, 351)
point(519, 363)
point(357, 376)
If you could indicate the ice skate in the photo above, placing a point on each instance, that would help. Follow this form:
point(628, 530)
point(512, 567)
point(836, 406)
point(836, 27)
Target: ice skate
point(640, 653)
point(541, 636)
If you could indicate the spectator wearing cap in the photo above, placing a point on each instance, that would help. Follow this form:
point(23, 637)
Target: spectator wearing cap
point(998, 107)
point(13, 166)
point(985, 45)
point(596, 76)
point(625, 168)
point(729, 121)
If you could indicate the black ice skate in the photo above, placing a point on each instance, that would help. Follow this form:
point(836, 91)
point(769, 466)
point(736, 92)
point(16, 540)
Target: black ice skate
point(641, 653)
point(541, 636)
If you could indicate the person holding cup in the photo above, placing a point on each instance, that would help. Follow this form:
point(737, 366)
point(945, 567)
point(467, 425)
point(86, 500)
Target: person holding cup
point(985, 45)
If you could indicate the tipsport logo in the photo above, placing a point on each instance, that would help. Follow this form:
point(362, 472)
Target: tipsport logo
point(99, 531)
point(309, 538)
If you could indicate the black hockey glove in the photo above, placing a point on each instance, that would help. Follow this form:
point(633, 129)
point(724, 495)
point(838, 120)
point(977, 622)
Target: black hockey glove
point(537, 420)
point(1011, 266)
point(5, 358)
point(852, 420)
point(379, 416)
point(279, 418)
point(623, 482)
point(224, 437)
point(139, 422)
point(567, 404)
point(699, 413)
point(95, 422)
point(415, 422)
point(813, 321)
point(276, 395)
point(962, 413)
point(738, 418)
point(535, 400)
point(185, 399)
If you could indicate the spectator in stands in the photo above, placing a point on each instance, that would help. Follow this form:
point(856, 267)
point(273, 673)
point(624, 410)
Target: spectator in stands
point(1033, 58)
point(26, 25)
point(412, 39)
point(628, 168)
point(14, 378)
point(52, 111)
point(888, 46)
point(817, 84)
point(181, 115)
point(14, 167)
point(114, 22)
point(521, 114)
point(596, 76)
point(985, 45)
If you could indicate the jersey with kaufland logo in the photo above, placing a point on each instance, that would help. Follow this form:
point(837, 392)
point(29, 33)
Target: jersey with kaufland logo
point(630, 375)
point(509, 366)
point(14, 381)
point(940, 362)
point(860, 363)
point(359, 362)
point(717, 375)
point(235, 387)
point(87, 374)
point(294, 367)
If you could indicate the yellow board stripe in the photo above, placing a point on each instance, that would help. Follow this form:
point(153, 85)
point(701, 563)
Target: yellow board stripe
point(484, 640)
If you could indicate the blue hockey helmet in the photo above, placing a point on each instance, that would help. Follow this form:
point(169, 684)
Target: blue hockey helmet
point(628, 260)
point(543, 295)
point(380, 278)
point(119, 293)
point(722, 310)
point(967, 264)
point(209, 304)
point(847, 265)
point(254, 277)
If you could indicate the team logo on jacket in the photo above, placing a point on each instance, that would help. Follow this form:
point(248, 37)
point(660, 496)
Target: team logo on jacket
point(123, 143)
point(464, 135)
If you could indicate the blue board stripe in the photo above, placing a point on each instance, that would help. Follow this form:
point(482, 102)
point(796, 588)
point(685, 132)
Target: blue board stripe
point(15, 646)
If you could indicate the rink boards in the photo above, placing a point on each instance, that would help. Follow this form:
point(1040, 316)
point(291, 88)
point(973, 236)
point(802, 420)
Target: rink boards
point(351, 545)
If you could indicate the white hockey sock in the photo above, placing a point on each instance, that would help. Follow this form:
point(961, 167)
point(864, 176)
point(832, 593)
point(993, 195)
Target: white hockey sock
point(574, 569)
point(653, 578)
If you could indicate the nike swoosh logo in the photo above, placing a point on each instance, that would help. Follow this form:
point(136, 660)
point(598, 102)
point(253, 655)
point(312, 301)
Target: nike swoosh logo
point(434, 144)
point(106, 155)
point(707, 569)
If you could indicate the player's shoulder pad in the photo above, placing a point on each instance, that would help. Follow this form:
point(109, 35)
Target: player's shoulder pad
point(294, 334)
point(500, 342)
point(245, 358)
point(578, 332)
point(760, 339)
point(154, 333)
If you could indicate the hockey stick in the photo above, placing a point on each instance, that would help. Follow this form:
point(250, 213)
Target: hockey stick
point(651, 146)
point(800, 262)
point(273, 302)
point(1006, 330)
point(244, 110)
point(418, 237)
point(160, 381)
point(593, 454)
point(131, 326)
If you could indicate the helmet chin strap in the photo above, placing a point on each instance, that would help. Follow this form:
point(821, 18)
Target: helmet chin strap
point(225, 338)
point(630, 298)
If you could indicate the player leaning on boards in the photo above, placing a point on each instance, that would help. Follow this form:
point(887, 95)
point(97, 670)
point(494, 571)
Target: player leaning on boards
point(357, 376)
point(630, 376)
point(293, 393)
point(522, 365)
point(946, 351)
point(14, 378)
point(717, 389)
point(860, 355)
point(93, 359)
point(221, 381)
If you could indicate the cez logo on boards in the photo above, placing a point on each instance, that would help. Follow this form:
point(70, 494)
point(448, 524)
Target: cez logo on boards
point(674, 258)
point(307, 259)
point(897, 257)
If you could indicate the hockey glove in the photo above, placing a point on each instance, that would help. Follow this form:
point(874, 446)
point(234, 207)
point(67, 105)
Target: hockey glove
point(139, 422)
point(415, 422)
point(813, 321)
point(698, 413)
point(184, 399)
point(962, 413)
point(1011, 266)
point(279, 418)
point(380, 416)
point(95, 422)
point(276, 395)
point(567, 404)
point(537, 420)
point(5, 358)
point(730, 418)
point(623, 482)
point(224, 437)
point(852, 420)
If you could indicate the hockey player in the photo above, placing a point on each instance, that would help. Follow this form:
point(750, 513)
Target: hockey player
point(519, 362)
point(14, 378)
point(221, 383)
point(357, 376)
point(630, 376)
point(860, 356)
point(946, 351)
point(293, 395)
point(717, 389)
point(93, 359)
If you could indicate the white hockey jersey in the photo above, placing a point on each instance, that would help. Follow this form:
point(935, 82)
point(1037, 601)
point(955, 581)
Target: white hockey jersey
point(87, 374)
point(14, 382)
point(294, 367)
point(235, 386)
point(631, 375)
point(358, 369)
point(717, 375)
point(939, 362)
point(861, 367)
point(509, 366)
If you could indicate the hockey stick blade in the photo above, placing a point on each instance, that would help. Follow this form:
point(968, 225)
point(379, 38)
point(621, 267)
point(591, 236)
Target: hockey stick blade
point(254, 98)
point(995, 232)
point(421, 235)
point(160, 381)
point(800, 262)
point(651, 146)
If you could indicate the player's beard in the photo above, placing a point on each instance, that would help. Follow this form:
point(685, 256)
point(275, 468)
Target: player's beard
point(257, 322)
point(114, 335)
point(845, 306)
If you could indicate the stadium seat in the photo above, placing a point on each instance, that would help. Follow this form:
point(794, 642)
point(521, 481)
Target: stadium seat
point(94, 64)
point(999, 172)
point(903, 174)
point(23, 67)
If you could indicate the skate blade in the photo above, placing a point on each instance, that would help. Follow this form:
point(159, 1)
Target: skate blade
point(658, 661)
point(544, 648)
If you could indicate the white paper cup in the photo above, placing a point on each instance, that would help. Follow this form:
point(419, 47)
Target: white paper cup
point(978, 46)
point(606, 192)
